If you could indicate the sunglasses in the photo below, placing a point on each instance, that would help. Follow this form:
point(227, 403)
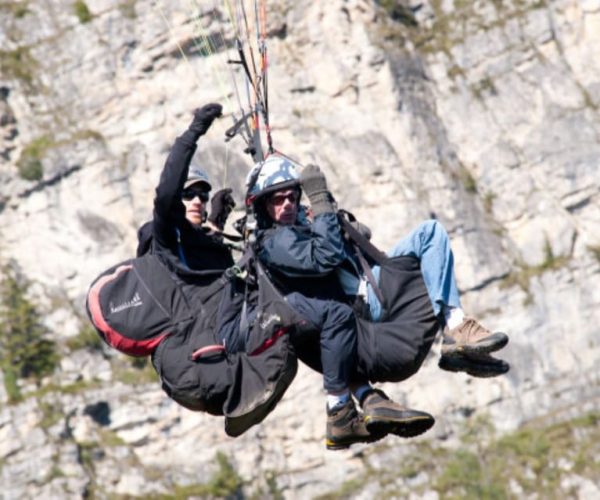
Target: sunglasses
point(280, 199)
point(189, 194)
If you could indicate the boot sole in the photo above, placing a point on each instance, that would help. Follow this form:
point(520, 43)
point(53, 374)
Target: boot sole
point(491, 344)
point(333, 446)
point(407, 427)
point(482, 367)
point(336, 446)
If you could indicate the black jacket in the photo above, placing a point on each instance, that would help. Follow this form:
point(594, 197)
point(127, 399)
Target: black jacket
point(303, 258)
point(170, 235)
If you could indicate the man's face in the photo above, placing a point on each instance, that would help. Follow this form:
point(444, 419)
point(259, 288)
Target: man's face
point(195, 198)
point(282, 206)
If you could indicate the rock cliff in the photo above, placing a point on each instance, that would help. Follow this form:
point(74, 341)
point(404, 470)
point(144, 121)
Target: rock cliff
point(483, 113)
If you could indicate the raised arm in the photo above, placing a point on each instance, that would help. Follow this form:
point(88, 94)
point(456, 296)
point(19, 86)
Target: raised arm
point(169, 210)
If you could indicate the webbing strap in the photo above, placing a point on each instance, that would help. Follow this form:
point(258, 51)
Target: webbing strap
point(241, 264)
point(369, 274)
point(363, 243)
point(230, 237)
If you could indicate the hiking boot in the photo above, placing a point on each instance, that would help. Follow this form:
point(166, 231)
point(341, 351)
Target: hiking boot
point(471, 338)
point(381, 414)
point(346, 427)
point(476, 365)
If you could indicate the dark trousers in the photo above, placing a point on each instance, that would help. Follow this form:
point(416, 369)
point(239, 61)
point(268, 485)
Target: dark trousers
point(335, 321)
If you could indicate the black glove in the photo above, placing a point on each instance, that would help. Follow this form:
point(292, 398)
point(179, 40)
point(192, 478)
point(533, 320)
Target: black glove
point(221, 205)
point(203, 118)
point(314, 184)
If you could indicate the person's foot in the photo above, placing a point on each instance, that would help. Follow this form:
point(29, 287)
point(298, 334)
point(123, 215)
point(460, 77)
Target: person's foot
point(471, 338)
point(381, 414)
point(476, 365)
point(346, 427)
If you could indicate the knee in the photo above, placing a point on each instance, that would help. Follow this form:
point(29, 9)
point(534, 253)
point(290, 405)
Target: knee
point(431, 225)
point(431, 228)
point(339, 313)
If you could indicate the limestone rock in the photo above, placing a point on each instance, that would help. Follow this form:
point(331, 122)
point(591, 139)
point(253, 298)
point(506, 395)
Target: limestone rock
point(481, 114)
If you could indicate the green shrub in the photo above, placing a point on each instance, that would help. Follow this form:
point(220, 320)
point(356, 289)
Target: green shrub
point(31, 169)
point(18, 64)
point(85, 135)
point(530, 457)
point(467, 179)
point(11, 384)
point(595, 251)
point(226, 481)
point(24, 351)
point(127, 8)
point(531, 462)
point(522, 273)
point(87, 338)
point(82, 11)
point(30, 162)
point(488, 201)
point(17, 9)
point(398, 12)
point(21, 11)
point(51, 414)
point(275, 492)
point(133, 371)
point(461, 476)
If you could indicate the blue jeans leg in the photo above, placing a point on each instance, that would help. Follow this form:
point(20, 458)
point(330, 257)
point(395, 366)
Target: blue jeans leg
point(430, 243)
point(335, 321)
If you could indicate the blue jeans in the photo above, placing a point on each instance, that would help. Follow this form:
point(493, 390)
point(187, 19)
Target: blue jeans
point(429, 242)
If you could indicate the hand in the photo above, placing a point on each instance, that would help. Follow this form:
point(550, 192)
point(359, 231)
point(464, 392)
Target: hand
point(203, 118)
point(221, 206)
point(314, 184)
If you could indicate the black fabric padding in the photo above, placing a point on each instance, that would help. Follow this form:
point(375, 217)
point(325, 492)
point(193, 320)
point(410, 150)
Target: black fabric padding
point(263, 375)
point(243, 386)
point(136, 303)
point(203, 384)
point(394, 348)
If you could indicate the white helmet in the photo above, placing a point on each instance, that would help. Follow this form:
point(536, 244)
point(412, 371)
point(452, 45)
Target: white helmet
point(274, 173)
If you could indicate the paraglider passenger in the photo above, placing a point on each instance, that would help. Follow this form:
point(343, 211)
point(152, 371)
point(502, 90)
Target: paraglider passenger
point(301, 257)
point(180, 231)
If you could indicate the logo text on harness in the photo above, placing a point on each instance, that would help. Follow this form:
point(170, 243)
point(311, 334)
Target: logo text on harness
point(134, 302)
point(266, 322)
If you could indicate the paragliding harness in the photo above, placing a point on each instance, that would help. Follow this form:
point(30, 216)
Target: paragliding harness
point(394, 347)
point(141, 308)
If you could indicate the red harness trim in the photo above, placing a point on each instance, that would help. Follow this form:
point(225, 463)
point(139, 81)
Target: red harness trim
point(113, 337)
point(270, 341)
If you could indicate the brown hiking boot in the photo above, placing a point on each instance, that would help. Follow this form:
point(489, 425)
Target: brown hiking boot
point(476, 365)
point(346, 427)
point(471, 338)
point(381, 414)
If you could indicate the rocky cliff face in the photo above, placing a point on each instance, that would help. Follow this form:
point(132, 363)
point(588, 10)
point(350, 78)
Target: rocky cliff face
point(482, 113)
